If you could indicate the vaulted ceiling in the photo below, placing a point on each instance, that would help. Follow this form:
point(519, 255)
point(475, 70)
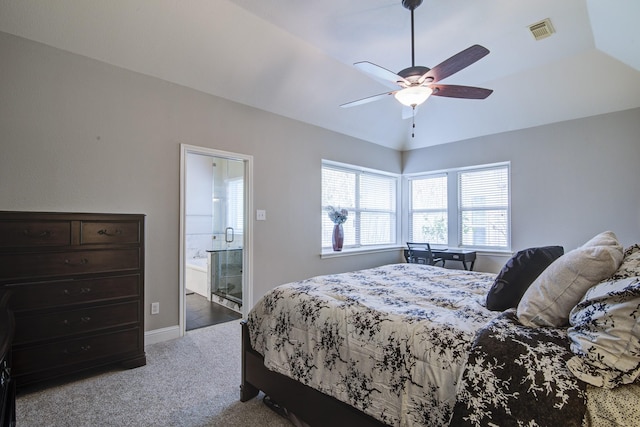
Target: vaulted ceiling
point(295, 57)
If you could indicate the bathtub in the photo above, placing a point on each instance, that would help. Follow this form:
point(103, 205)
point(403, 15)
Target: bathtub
point(196, 276)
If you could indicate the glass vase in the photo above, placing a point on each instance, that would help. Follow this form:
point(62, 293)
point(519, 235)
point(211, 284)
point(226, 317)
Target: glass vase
point(338, 237)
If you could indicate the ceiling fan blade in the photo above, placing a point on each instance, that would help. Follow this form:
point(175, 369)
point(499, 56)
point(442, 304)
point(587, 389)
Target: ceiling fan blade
point(380, 72)
point(456, 63)
point(455, 91)
point(366, 100)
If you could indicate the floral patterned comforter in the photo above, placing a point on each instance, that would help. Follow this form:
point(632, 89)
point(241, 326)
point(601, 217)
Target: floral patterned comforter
point(517, 376)
point(391, 341)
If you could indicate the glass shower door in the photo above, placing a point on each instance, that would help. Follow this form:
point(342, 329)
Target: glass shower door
point(228, 232)
point(228, 281)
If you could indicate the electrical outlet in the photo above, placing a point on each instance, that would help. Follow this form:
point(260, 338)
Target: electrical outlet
point(155, 307)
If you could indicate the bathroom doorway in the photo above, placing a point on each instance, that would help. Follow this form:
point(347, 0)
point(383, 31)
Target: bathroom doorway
point(215, 236)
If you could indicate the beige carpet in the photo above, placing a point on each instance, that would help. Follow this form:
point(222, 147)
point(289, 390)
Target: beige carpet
point(191, 382)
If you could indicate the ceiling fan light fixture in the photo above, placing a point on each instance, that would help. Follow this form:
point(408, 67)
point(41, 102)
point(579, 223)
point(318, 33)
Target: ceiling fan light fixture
point(414, 95)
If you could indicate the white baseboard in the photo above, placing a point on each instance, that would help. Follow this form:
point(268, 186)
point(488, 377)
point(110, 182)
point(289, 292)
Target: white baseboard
point(162, 334)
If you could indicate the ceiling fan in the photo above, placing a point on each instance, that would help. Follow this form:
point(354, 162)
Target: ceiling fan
point(417, 83)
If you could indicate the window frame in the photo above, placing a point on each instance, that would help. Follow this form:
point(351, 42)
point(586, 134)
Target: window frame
point(453, 205)
point(355, 212)
point(460, 210)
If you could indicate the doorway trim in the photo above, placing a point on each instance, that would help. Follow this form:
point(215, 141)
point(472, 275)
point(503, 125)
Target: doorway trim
point(247, 253)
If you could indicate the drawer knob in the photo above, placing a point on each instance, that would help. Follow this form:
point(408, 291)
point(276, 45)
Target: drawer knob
point(81, 262)
point(105, 232)
point(82, 348)
point(28, 233)
point(82, 320)
point(78, 292)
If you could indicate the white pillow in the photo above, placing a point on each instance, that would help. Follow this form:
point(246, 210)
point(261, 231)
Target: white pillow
point(607, 238)
point(550, 298)
point(605, 334)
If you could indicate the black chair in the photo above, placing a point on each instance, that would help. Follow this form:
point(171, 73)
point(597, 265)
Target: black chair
point(420, 253)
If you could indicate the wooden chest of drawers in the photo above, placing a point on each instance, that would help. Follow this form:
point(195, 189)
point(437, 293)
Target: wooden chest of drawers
point(7, 384)
point(77, 291)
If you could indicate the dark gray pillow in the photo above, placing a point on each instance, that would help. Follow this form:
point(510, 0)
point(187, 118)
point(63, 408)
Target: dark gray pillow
point(518, 273)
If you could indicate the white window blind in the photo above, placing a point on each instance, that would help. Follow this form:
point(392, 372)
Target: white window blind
point(428, 209)
point(235, 207)
point(369, 197)
point(483, 207)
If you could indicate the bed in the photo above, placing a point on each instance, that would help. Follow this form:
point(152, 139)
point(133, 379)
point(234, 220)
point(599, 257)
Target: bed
point(416, 345)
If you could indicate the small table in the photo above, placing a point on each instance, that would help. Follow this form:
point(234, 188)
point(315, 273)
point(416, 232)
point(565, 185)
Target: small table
point(455, 254)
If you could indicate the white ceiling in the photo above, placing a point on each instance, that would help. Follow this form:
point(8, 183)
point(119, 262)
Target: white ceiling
point(294, 57)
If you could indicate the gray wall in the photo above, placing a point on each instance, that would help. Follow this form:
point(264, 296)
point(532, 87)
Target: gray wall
point(569, 180)
point(78, 135)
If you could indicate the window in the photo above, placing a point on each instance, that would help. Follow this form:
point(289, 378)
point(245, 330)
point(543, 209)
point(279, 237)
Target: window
point(461, 207)
point(428, 221)
point(235, 208)
point(483, 207)
point(369, 196)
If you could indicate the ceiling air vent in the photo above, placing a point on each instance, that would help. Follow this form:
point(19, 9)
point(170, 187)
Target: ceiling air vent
point(542, 29)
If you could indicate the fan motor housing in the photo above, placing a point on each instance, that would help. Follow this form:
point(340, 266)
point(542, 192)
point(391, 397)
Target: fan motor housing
point(411, 4)
point(417, 71)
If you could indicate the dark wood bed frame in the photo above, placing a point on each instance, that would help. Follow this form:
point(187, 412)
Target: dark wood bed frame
point(308, 404)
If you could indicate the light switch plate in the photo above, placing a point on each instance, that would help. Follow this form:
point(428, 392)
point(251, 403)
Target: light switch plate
point(261, 215)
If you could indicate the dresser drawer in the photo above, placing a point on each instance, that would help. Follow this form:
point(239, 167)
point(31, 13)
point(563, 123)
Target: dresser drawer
point(26, 265)
point(117, 232)
point(38, 295)
point(65, 323)
point(20, 234)
point(74, 351)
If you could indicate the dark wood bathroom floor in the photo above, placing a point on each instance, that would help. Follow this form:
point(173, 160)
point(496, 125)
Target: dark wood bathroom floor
point(201, 313)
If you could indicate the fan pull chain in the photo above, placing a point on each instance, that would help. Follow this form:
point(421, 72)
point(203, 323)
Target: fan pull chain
point(413, 122)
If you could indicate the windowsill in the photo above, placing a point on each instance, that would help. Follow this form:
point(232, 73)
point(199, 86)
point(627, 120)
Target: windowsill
point(376, 249)
point(359, 251)
point(494, 252)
